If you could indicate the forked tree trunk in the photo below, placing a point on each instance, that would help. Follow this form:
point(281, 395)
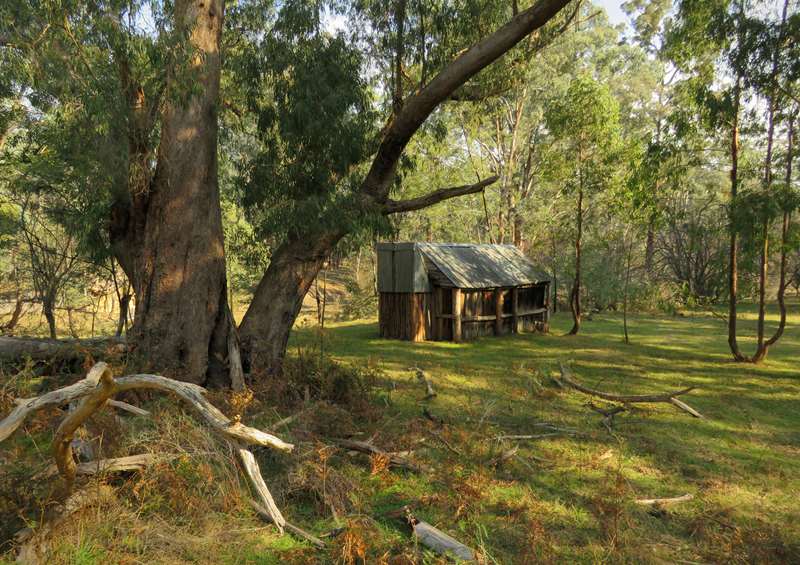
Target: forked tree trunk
point(181, 323)
point(762, 344)
point(265, 328)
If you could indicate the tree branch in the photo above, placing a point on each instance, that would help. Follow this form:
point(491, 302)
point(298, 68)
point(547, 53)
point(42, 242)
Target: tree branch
point(418, 107)
point(397, 206)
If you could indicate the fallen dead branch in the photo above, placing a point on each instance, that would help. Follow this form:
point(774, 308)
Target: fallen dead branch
point(96, 390)
point(118, 404)
point(115, 464)
point(423, 378)
point(530, 437)
point(191, 393)
point(667, 397)
point(292, 417)
point(661, 501)
point(34, 544)
point(438, 541)
point(395, 460)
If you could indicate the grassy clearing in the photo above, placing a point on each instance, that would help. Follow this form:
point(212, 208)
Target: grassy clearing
point(742, 462)
point(563, 499)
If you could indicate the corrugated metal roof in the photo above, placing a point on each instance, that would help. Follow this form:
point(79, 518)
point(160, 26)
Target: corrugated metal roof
point(473, 265)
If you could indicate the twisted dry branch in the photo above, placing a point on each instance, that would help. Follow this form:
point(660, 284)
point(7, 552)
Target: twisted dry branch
point(667, 397)
point(100, 386)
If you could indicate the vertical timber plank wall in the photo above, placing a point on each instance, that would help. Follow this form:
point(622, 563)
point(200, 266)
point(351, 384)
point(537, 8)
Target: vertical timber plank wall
point(439, 309)
point(498, 311)
point(457, 308)
point(402, 315)
point(515, 310)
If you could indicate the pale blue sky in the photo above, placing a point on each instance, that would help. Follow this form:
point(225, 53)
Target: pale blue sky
point(614, 9)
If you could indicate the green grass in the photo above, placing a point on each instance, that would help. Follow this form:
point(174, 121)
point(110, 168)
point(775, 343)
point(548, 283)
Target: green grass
point(742, 463)
point(566, 499)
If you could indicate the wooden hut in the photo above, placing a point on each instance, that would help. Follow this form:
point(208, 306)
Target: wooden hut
point(455, 291)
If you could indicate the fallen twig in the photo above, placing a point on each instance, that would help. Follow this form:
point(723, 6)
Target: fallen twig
point(524, 437)
point(660, 501)
point(444, 442)
point(299, 532)
point(395, 460)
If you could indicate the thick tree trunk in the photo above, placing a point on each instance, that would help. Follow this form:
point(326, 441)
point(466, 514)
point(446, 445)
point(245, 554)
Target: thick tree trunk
point(181, 324)
point(264, 330)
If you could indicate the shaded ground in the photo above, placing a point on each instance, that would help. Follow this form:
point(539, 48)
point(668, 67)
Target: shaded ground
point(560, 499)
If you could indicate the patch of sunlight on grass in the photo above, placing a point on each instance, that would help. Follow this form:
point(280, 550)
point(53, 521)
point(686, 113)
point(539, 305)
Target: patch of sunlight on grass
point(744, 459)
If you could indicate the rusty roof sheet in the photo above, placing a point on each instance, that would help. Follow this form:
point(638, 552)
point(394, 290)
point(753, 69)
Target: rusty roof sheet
point(480, 265)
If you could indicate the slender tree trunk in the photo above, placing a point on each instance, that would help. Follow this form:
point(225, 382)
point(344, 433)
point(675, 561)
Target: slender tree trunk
point(48, 309)
point(575, 300)
point(733, 269)
point(650, 247)
point(8, 327)
point(787, 218)
point(181, 324)
point(762, 293)
point(124, 304)
point(625, 292)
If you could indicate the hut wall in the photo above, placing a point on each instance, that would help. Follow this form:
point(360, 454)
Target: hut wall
point(405, 315)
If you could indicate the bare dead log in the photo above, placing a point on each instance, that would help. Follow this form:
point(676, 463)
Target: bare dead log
point(40, 349)
point(441, 543)
point(395, 460)
point(667, 397)
point(94, 391)
point(662, 501)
